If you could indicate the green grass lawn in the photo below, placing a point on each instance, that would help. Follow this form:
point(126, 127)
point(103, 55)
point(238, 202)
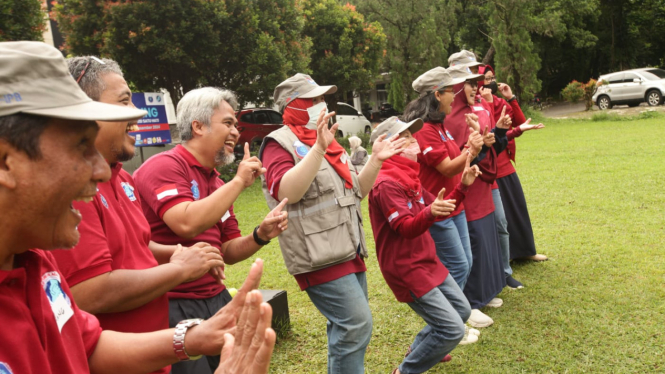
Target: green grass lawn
point(597, 200)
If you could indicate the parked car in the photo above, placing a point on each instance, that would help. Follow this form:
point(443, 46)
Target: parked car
point(631, 87)
point(254, 124)
point(351, 122)
point(386, 111)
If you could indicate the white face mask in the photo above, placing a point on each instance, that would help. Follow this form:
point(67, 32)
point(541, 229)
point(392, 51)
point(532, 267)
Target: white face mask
point(314, 112)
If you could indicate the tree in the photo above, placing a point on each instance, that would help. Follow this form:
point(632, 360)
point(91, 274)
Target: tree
point(244, 45)
point(21, 20)
point(346, 50)
point(417, 33)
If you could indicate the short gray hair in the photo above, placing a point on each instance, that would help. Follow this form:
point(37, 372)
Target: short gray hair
point(91, 82)
point(199, 105)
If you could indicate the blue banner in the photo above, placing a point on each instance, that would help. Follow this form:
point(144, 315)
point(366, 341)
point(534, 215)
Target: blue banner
point(154, 127)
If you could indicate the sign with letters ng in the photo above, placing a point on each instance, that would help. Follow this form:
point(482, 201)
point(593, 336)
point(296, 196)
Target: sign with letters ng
point(154, 127)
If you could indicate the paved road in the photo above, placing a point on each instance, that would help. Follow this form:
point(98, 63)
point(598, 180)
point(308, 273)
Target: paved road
point(563, 109)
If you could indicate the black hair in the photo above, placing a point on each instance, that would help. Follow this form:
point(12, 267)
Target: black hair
point(23, 131)
point(426, 107)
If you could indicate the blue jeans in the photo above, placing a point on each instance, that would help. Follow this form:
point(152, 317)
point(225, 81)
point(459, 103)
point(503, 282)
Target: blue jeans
point(344, 303)
point(445, 309)
point(502, 229)
point(451, 238)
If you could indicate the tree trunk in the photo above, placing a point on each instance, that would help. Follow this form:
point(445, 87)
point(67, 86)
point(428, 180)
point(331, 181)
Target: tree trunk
point(489, 55)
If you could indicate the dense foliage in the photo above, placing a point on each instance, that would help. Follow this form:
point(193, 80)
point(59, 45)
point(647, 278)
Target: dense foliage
point(21, 20)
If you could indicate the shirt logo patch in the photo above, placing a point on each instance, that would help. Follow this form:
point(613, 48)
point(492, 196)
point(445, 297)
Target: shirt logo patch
point(5, 369)
point(129, 191)
point(409, 205)
point(164, 191)
point(422, 201)
point(301, 149)
point(195, 190)
point(106, 204)
point(427, 150)
point(443, 137)
point(60, 303)
point(449, 136)
point(392, 214)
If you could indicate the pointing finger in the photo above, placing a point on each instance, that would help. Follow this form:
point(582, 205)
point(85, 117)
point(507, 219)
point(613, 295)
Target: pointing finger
point(246, 155)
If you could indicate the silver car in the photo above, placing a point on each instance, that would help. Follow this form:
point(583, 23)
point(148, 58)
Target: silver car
point(631, 87)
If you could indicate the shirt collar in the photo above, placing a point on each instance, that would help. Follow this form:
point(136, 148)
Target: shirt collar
point(192, 161)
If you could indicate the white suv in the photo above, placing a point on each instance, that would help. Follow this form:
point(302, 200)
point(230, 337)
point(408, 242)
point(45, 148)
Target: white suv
point(351, 122)
point(631, 87)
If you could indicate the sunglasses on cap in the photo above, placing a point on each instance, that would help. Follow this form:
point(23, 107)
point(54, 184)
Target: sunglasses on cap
point(85, 68)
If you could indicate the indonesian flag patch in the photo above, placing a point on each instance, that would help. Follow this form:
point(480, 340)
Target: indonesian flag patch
point(392, 214)
point(164, 191)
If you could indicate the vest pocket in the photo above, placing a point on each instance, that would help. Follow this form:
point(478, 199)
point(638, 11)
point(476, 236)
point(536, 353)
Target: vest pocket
point(327, 238)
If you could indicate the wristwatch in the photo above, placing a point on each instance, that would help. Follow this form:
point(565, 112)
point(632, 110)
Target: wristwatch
point(179, 339)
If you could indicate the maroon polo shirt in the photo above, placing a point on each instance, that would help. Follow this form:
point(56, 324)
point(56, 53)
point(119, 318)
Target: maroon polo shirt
point(277, 162)
point(407, 259)
point(43, 331)
point(436, 144)
point(115, 235)
point(171, 178)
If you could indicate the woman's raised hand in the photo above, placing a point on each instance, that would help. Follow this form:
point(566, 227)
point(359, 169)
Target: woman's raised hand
point(325, 136)
point(526, 126)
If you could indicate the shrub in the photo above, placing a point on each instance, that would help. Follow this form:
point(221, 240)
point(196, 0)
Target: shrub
point(364, 139)
point(573, 92)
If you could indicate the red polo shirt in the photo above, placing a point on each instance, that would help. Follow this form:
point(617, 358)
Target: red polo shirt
point(436, 144)
point(277, 162)
point(409, 264)
point(115, 235)
point(43, 331)
point(168, 179)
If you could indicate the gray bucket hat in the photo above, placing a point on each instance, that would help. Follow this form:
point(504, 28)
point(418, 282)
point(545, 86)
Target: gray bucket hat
point(393, 126)
point(299, 86)
point(463, 58)
point(34, 79)
point(435, 79)
point(464, 73)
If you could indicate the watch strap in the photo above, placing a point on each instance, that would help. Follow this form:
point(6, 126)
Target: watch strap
point(179, 339)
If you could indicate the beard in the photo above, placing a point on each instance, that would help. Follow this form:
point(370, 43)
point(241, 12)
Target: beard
point(123, 155)
point(222, 158)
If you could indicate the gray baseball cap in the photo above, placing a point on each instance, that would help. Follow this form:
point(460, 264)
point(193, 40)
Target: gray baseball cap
point(34, 79)
point(435, 79)
point(464, 73)
point(393, 126)
point(299, 86)
point(463, 58)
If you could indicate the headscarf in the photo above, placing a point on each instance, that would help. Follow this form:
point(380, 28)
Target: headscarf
point(297, 119)
point(402, 171)
point(456, 124)
point(498, 104)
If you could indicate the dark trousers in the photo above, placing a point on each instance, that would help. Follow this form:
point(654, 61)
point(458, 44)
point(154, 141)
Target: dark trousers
point(180, 309)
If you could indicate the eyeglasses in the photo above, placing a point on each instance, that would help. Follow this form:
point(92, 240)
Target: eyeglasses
point(86, 67)
point(490, 78)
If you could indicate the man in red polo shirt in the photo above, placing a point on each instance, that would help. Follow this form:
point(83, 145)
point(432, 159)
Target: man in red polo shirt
point(48, 160)
point(185, 202)
point(112, 272)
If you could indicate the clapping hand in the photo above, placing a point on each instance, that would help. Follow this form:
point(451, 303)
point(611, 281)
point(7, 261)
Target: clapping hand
point(275, 222)
point(505, 90)
point(441, 207)
point(325, 136)
point(249, 168)
point(486, 94)
point(488, 137)
point(384, 149)
point(470, 172)
point(472, 121)
point(504, 121)
point(526, 126)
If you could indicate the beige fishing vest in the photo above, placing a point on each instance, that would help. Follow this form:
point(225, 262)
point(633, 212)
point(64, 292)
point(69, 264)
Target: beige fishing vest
point(325, 226)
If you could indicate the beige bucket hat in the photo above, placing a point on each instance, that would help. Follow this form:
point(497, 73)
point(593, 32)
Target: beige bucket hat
point(34, 79)
point(393, 126)
point(299, 86)
point(434, 80)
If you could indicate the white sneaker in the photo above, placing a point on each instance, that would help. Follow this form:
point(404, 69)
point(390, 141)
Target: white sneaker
point(495, 303)
point(472, 331)
point(468, 338)
point(479, 319)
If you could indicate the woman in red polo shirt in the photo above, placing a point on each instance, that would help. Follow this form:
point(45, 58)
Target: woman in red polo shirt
point(401, 211)
point(518, 233)
point(487, 278)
